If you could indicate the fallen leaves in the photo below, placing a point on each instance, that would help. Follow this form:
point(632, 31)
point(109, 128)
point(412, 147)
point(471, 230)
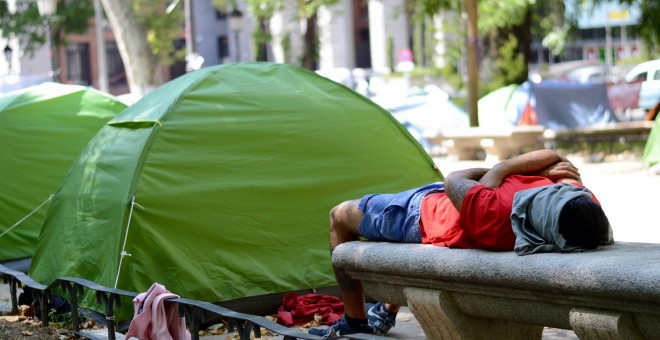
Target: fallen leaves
point(13, 318)
point(216, 329)
point(222, 328)
point(25, 310)
point(19, 327)
point(314, 323)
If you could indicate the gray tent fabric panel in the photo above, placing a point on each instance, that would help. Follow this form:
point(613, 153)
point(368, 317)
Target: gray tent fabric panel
point(566, 105)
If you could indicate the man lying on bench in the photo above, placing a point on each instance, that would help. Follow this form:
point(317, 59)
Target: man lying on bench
point(531, 203)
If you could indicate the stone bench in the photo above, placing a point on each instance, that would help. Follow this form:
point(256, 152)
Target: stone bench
point(611, 293)
point(620, 132)
point(497, 143)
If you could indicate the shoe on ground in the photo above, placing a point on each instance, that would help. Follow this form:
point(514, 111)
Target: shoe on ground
point(339, 328)
point(379, 318)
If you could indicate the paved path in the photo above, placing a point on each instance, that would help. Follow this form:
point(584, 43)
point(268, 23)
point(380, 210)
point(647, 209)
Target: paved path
point(625, 189)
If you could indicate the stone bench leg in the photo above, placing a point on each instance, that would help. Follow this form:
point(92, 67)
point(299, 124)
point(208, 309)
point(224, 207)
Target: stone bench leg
point(460, 150)
point(598, 324)
point(441, 318)
point(496, 149)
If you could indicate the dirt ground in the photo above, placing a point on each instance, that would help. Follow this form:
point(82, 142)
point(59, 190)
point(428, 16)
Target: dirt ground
point(24, 330)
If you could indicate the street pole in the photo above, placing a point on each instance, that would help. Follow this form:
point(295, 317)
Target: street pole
point(48, 8)
point(9, 56)
point(473, 65)
point(608, 46)
point(238, 46)
point(235, 22)
point(101, 57)
point(189, 34)
point(54, 55)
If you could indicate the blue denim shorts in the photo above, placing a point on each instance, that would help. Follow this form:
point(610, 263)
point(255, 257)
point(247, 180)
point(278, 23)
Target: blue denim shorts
point(394, 217)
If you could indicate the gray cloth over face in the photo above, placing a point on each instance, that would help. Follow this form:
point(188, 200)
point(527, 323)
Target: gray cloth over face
point(535, 217)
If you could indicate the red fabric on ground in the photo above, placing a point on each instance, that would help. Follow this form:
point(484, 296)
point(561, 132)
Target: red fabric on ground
point(299, 310)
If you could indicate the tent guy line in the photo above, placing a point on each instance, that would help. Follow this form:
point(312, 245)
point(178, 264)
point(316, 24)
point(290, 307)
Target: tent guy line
point(28, 215)
point(123, 247)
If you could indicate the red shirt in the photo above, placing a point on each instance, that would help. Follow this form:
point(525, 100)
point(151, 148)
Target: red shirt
point(485, 218)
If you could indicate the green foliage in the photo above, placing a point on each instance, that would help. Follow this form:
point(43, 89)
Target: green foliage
point(62, 320)
point(162, 28)
point(511, 65)
point(550, 16)
point(224, 5)
point(418, 30)
point(286, 47)
point(433, 7)
point(72, 16)
point(260, 37)
point(390, 52)
point(506, 27)
point(553, 23)
point(501, 13)
point(264, 9)
point(457, 82)
point(309, 7)
point(28, 25)
point(649, 27)
point(429, 43)
point(455, 51)
point(555, 41)
point(423, 33)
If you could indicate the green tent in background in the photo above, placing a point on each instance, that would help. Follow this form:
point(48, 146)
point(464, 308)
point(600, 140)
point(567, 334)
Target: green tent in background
point(233, 170)
point(494, 107)
point(43, 128)
point(651, 154)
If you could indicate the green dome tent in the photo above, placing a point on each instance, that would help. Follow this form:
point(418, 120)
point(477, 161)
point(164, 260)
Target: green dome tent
point(43, 128)
point(651, 155)
point(233, 170)
point(494, 110)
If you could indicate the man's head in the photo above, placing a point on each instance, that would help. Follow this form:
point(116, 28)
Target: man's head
point(582, 223)
point(559, 217)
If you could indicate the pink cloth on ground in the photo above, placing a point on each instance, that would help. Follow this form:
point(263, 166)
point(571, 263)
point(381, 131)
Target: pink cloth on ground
point(154, 319)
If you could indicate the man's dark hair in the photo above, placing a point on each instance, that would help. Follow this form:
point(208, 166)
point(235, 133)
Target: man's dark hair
point(583, 223)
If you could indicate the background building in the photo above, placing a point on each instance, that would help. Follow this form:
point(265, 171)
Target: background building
point(606, 27)
point(352, 34)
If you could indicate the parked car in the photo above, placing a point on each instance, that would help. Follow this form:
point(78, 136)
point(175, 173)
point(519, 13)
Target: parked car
point(649, 92)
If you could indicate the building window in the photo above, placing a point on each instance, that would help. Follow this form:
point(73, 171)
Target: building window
point(78, 69)
point(223, 49)
point(116, 71)
point(220, 15)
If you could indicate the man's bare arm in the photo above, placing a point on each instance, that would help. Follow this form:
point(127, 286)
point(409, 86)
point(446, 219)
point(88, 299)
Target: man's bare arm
point(538, 162)
point(547, 163)
point(459, 182)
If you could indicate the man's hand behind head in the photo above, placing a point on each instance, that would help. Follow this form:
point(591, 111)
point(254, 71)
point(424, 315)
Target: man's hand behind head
point(563, 171)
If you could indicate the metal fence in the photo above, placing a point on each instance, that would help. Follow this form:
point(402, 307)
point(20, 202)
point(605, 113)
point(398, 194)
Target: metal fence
point(196, 312)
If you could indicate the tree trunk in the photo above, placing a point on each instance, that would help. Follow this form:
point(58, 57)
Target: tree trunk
point(143, 70)
point(262, 47)
point(309, 58)
point(524, 34)
point(473, 63)
point(493, 44)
